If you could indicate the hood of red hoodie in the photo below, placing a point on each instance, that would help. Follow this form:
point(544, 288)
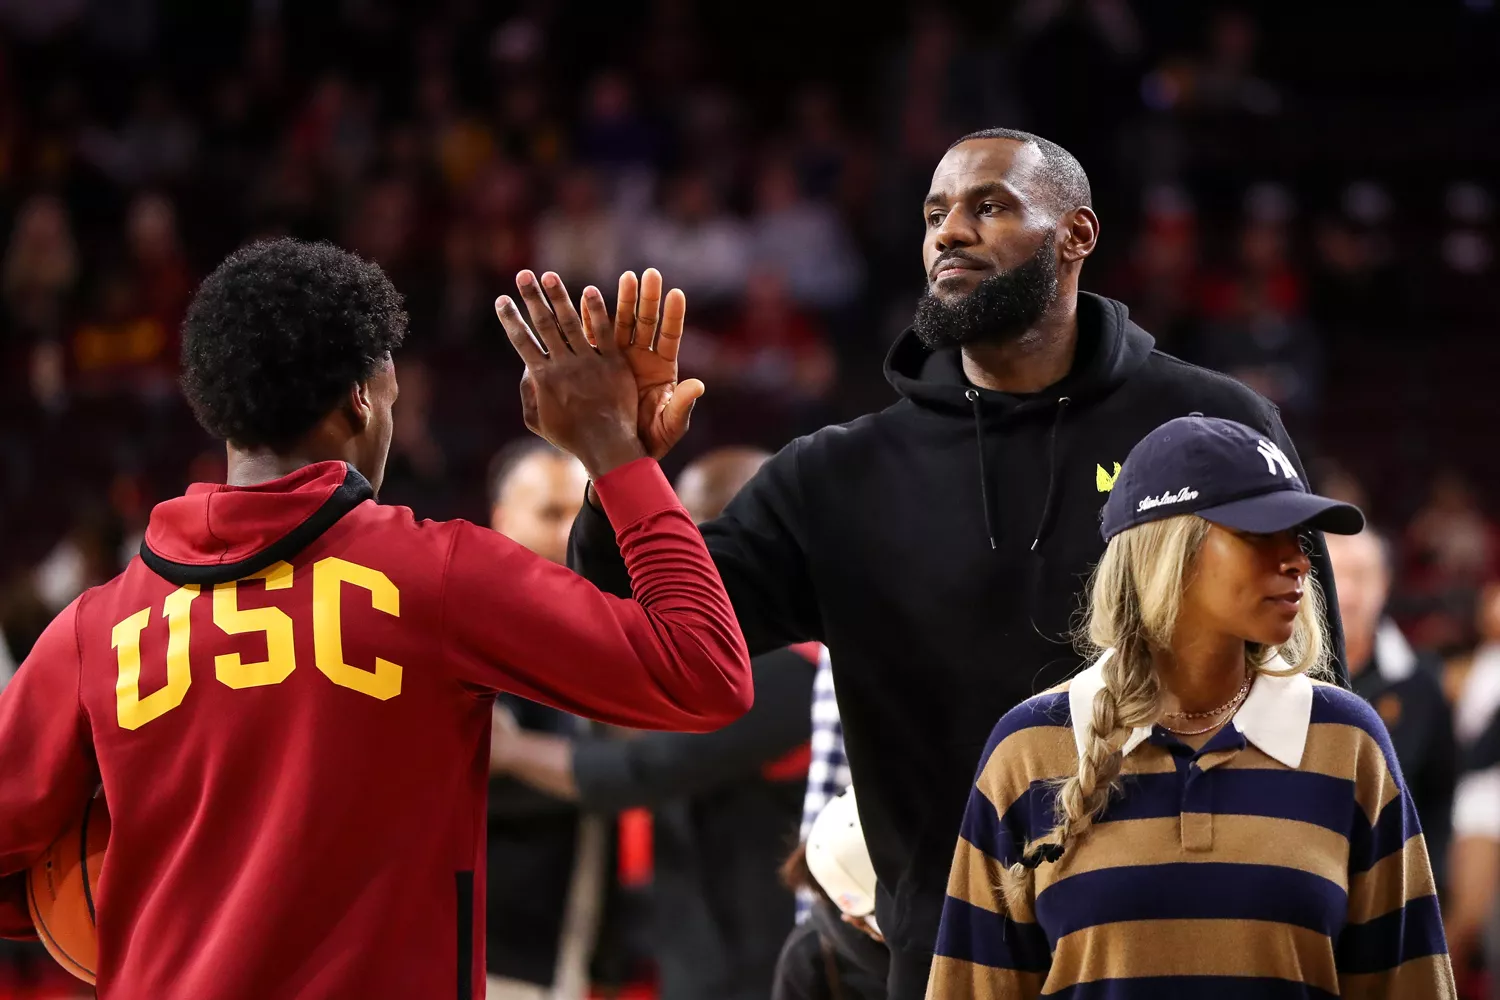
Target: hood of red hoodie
point(214, 534)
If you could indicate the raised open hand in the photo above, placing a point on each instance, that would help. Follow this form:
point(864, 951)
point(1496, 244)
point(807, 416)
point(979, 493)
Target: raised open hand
point(578, 393)
point(648, 333)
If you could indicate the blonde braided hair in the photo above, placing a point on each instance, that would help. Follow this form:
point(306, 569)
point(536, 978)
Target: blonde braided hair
point(1135, 596)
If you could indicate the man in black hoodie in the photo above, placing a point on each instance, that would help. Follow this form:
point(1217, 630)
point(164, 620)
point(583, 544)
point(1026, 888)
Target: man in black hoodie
point(939, 547)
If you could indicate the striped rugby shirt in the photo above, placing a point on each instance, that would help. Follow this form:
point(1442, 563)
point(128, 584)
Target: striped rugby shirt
point(1284, 859)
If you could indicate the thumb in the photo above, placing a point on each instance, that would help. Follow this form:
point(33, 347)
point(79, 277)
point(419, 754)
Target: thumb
point(678, 410)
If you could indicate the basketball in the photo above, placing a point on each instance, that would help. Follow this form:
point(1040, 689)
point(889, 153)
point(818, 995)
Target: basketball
point(60, 892)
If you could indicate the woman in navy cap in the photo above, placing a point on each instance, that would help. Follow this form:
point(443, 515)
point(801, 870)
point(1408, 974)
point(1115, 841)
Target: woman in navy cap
point(1195, 814)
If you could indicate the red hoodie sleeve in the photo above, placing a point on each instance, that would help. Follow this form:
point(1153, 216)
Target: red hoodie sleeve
point(673, 658)
point(49, 770)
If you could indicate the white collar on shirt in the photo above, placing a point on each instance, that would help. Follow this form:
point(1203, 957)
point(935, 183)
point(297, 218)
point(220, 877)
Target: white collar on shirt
point(1275, 715)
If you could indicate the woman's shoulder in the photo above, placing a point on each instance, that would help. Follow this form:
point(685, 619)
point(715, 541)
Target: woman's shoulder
point(1337, 708)
point(1042, 718)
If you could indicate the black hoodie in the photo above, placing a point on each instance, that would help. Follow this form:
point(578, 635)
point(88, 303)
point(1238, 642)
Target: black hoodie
point(939, 548)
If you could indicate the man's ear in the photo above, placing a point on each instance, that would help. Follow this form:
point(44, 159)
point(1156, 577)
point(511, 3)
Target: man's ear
point(1080, 234)
point(357, 407)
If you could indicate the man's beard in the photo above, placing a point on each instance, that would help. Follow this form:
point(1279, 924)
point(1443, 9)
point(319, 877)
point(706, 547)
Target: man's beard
point(1000, 308)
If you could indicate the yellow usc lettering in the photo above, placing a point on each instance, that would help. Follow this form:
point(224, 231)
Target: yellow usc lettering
point(329, 577)
point(281, 655)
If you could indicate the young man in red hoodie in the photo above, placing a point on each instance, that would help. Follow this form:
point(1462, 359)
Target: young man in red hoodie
point(286, 698)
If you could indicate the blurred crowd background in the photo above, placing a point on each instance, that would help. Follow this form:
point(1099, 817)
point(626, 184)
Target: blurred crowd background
point(1302, 195)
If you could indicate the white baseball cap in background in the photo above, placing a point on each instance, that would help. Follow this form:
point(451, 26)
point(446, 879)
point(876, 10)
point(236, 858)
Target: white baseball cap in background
point(840, 861)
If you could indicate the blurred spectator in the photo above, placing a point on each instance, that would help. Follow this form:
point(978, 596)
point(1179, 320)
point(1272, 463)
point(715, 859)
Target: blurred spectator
point(1357, 292)
point(1474, 861)
point(943, 88)
point(1450, 541)
point(723, 804)
point(527, 130)
point(334, 133)
point(806, 239)
point(462, 145)
point(580, 237)
point(465, 301)
point(1255, 330)
point(121, 347)
point(23, 616)
point(772, 349)
point(822, 148)
point(157, 143)
point(502, 205)
point(41, 270)
point(839, 953)
point(1224, 79)
point(827, 771)
point(160, 267)
point(547, 863)
point(1404, 687)
point(381, 226)
point(1332, 479)
point(86, 557)
point(1160, 277)
point(613, 134)
point(40, 20)
point(417, 470)
point(695, 243)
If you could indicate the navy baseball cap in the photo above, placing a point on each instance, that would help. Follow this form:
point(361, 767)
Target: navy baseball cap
point(1224, 472)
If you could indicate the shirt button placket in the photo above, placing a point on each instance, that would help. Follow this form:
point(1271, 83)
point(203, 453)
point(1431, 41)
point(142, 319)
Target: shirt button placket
point(1197, 819)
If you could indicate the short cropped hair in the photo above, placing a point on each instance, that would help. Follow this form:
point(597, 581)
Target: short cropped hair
point(277, 334)
point(510, 457)
point(1067, 184)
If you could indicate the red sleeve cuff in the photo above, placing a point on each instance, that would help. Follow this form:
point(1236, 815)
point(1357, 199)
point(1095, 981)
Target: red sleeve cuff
point(635, 490)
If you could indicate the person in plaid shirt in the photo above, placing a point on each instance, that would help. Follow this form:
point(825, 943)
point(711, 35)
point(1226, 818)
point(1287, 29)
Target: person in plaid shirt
point(828, 771)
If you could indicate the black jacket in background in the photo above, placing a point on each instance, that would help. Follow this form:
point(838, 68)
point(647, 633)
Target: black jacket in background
point(532, 841)
point(826, 959)
point(939, 548)
point(725, 816)
point(1406, 690)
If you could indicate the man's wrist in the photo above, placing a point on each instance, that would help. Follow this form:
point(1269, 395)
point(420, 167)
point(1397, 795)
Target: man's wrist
point(610, 456)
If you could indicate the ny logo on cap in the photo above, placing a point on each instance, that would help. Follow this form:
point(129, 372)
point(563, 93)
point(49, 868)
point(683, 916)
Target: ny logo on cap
point(1275, 457)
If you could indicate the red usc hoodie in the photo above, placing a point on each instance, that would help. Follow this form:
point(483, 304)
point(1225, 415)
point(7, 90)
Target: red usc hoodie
point(287, 701)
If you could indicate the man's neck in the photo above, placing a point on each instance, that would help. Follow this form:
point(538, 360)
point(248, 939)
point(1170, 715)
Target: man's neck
point(1038, 358)
point(251, 467)
point(1359, 652)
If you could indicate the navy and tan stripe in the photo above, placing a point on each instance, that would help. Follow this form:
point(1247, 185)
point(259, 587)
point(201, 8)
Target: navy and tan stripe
point(984, 937)
point(953, 978)
point(975, 876)
point(1391, 882)
point(1239, 948)
point(1203, 890)
point(1428, 977)
point(1248, 840)
point(1215, 987)
point(1414, 931)
point(1227, 874)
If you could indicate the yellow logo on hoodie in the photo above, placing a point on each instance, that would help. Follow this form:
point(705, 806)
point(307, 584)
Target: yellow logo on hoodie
point(1105, 480)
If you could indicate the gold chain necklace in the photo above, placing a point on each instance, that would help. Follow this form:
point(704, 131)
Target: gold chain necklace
point(1228, 706)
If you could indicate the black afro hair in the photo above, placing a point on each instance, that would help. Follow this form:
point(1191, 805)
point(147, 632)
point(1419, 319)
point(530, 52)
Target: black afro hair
point(278, 333)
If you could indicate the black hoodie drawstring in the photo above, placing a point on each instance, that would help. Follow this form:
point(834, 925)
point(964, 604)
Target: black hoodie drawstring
point(1048, 514)
point(972, 395)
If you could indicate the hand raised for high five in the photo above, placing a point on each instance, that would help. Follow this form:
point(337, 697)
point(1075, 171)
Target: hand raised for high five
point(649, 333)
point(578, 392)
